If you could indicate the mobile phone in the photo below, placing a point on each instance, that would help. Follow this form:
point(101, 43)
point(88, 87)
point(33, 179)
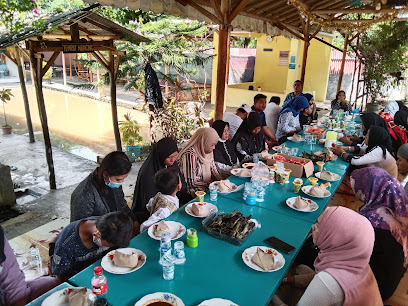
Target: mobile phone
point(279, 244)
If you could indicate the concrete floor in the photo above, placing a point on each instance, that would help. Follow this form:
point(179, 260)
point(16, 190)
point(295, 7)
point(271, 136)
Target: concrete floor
point(32, 174)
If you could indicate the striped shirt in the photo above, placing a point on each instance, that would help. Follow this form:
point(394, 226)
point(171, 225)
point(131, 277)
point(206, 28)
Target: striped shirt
point(192, 170)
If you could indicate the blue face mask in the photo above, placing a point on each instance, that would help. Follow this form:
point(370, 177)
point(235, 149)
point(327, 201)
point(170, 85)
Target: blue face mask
point(113, 184)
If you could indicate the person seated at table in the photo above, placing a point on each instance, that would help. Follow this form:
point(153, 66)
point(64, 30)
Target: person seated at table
point(14, 289)
point(165, 202)
point(288, 123)
point(377, 154)
point(368, 120)
point(272, 113)
point(84, 241)
point(401, 119)
point(385, 206)
point(163, 155)
point(340, 103)
point(224, 153)
point(398, 136)
point(297, 90)
point(196, 160)
point(250, 138)
point(259, 107)
point(402, 164)
point(391, 107)
point(342, 272)
point(306, 119)
point(101, 192)
point(234, 120)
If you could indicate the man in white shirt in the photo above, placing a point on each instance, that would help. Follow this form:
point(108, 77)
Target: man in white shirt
point(272, 113)
point(236, 119)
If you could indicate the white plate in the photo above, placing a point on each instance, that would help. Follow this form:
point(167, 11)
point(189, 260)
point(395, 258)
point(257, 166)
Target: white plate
point(234, 187)
point(160, 297)
point(176, 229)
point(336, 177)
point(291, 139)
point(306, 190)
point(278, 148)
point(249, 166)
point(249, 253)
point(60, 299)
point(312, 206)
point(237, 171)
point(217, 302)
point(108, 265)
point(210, 208)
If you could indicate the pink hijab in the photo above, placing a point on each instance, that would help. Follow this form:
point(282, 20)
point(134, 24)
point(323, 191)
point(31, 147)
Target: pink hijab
point(346, 241)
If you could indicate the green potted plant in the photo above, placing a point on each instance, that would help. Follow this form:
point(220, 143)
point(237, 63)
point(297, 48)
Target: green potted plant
point(130, 136)
point(5, 96)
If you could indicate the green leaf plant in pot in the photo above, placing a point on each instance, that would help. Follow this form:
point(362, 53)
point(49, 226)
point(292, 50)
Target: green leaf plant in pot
point(5, 96)
point(130, 136)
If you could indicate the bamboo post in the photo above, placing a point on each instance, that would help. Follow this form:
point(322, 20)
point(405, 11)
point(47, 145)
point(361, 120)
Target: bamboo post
point(112, 75)
point(24, 94)
point(36, 64)
point(22, 64)
point(64, 69)
point(305, 50)
point(343, 60)
point(70, 67)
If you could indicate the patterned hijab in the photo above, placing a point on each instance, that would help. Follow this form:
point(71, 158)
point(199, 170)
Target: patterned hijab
point(391, 107)
point(395, 131)
point(385, 202)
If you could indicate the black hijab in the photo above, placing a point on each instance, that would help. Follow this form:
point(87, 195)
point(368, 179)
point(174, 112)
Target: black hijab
point(2, 255)
point(379, 137)
point(372, 119)
point(224, 151)
point(250, 143)
point(145, 187)
point(401, 118)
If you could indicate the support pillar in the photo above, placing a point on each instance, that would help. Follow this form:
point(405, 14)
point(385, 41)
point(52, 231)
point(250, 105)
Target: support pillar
point(306, 33)
point(36, 61)
point(24, 94)
point(64, 69)
point(343, 60)
point(222, 70)
point(112, 75)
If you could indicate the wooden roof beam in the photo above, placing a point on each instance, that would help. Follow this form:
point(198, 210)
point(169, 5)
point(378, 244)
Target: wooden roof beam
point(86, 31)
point(238, 9)
point(269, 5)
point(353, 11)
point(93, 37)
point(217, 9)
point(257, 4)
point(324, 4)
point(202, 10)
point(283, 26)
point(101, 26)
point(276, 13)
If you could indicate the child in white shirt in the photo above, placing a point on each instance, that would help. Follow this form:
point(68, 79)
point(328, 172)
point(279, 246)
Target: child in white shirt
point(165, 202)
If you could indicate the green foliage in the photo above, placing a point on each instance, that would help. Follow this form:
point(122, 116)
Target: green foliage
point(244, 42)
point(179, 120)
point(61, 5)
point(126, 16)
point(383, 48)
point(5, 96)
point(130, 131)
point(11, 12)
point(48, 74)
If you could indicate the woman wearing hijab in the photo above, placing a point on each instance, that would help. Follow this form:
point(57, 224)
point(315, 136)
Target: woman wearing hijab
point(224, 153)
point(101, 192)
point(196, 160)
point(377, 154)
point(385, 206)
point(288, 123)
point(398, 136)
point(401, 119)
point(13, 287)
point(340, 103)
point(368, 120)
point(344, 276)
point(391, 107)
point(249, 138)
point(163, 155)
point(307, 119)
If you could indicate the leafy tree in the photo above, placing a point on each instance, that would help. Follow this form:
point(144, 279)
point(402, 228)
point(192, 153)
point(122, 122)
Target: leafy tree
point(383, 47)
point(12, 11)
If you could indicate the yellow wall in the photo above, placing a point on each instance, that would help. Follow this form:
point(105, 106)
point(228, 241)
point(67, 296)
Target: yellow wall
point(277, 80)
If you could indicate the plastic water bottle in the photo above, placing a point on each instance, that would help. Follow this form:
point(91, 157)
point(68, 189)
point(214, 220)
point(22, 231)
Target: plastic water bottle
point(168, 266)
point(35, 258)
point(165, 244)
point(99, 283)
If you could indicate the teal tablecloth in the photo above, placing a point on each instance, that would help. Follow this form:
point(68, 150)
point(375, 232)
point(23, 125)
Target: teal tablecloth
point(215, 269)
point(38, 301)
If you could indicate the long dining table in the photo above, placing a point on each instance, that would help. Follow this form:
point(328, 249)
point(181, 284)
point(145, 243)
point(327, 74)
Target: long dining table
point(215, 269)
